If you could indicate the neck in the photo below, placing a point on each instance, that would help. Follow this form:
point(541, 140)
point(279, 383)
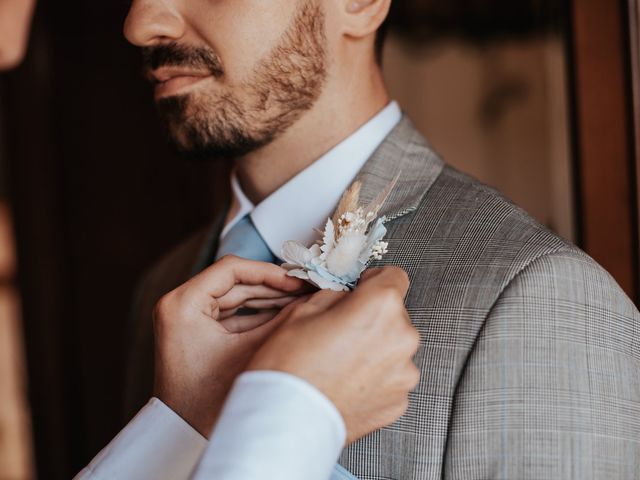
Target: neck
point(337, 114)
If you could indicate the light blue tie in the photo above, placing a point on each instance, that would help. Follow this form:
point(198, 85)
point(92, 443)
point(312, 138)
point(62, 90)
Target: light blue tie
point(244, 240)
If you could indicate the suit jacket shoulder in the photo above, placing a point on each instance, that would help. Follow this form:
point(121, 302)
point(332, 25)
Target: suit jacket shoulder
point(466, 249)
point(551, 388)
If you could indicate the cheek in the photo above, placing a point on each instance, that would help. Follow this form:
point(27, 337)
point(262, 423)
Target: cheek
point(333, 30)
point(242, 32)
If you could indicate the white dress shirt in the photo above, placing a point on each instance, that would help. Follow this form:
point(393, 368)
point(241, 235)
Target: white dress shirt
point(266, 418)
point(304, 203)
point(273, 425)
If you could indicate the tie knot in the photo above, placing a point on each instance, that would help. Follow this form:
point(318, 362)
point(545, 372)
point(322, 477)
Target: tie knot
point(244, 240)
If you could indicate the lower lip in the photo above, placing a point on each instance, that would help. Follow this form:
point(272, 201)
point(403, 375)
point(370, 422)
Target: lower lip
point(176, 85)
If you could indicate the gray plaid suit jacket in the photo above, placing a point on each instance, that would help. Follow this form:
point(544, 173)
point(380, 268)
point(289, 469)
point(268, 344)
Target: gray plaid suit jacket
point(530, 352)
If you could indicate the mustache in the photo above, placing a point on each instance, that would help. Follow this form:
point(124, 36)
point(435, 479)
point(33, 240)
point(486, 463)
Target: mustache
point(175, 55)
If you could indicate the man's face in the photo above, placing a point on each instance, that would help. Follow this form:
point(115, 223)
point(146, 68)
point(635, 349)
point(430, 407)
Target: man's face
point(230, 75)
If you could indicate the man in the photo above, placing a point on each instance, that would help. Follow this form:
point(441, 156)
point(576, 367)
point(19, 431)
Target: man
point(292, 410)
point(280, 390)
point(529, 349)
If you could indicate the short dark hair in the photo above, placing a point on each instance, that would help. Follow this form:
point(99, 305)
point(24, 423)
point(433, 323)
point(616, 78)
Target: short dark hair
point(381, 36)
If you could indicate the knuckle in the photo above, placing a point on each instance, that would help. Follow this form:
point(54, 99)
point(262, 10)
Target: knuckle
point(227, 260)
point(400, 312)
point(163, 307)
point(404, 405)
point(387, 296)
point(301, 310)
point(400, 407)
point(323, 294)
point(397, 275)
point(413, 339)
point(402, 276)
point(399, 320)
point(413, 376)
point(406, 280)
point(370, 272)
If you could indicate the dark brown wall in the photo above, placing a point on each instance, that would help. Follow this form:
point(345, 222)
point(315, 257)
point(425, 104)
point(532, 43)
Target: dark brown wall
point(97, 198)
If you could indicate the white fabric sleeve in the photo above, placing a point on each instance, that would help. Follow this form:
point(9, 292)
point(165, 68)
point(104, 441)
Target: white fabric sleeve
point(157, 444)
point(274, 425)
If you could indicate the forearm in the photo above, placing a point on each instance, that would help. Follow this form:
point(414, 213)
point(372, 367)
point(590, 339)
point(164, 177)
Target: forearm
point(274, 425)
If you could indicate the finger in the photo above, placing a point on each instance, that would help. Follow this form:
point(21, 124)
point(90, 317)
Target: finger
point(261, 304)
point(325, 299)
point(370, 273)
point(394, 278)
point(258, 335)
point(239, 294)
point(224, 314)
point(303, 299)
point(269, 304)
point(383, 288)
point(240, 324)
point(313, 305)
point(221, 277)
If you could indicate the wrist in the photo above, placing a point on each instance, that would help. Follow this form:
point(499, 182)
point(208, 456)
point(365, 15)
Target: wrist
point(200, 416)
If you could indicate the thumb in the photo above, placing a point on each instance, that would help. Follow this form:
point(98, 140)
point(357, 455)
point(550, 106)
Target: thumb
point(310, 305)
point(325, 299)
point(259, 335)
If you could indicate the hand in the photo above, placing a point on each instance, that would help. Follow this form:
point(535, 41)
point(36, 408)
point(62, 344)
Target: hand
point(201, 345)
point(356, 348)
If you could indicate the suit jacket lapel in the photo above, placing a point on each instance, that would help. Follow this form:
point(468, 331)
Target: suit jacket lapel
point(404, 152)
point(209, 245)
point(407, 153)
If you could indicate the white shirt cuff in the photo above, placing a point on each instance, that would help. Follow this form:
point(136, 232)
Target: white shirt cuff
point(274, 425)
point(156, 444)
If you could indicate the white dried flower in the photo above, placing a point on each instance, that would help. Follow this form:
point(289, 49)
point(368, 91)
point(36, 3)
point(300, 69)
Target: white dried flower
point(350, 240)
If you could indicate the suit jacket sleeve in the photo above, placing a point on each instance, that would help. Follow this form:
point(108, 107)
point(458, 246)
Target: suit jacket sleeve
point(551, 388)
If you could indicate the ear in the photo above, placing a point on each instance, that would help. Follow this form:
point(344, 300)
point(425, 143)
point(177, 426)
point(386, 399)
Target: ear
point(363, 17)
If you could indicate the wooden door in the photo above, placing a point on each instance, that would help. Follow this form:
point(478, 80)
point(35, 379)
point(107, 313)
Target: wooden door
point(604, 136)
point(634, 50)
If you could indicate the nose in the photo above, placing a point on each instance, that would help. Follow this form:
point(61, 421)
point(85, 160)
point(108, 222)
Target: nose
point(150, 22)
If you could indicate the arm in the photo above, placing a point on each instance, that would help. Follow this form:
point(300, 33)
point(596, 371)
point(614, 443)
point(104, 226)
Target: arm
point(274, 425)
point(552, 387)
point(332, 360)
point(156, 444)
point(198, 355)
point(270, 420)
point(314, 370)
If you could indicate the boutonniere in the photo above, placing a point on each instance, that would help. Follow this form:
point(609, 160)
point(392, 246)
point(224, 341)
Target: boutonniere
point(350, 240)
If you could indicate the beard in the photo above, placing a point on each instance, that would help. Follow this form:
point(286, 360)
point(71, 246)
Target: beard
point(229, 123)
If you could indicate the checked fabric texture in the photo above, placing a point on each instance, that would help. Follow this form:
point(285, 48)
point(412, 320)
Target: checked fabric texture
point(530, 352)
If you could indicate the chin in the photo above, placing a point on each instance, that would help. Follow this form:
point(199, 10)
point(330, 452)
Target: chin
point(191, 146)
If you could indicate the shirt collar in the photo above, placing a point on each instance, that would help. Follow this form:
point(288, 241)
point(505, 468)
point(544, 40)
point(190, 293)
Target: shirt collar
point(304, 203)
